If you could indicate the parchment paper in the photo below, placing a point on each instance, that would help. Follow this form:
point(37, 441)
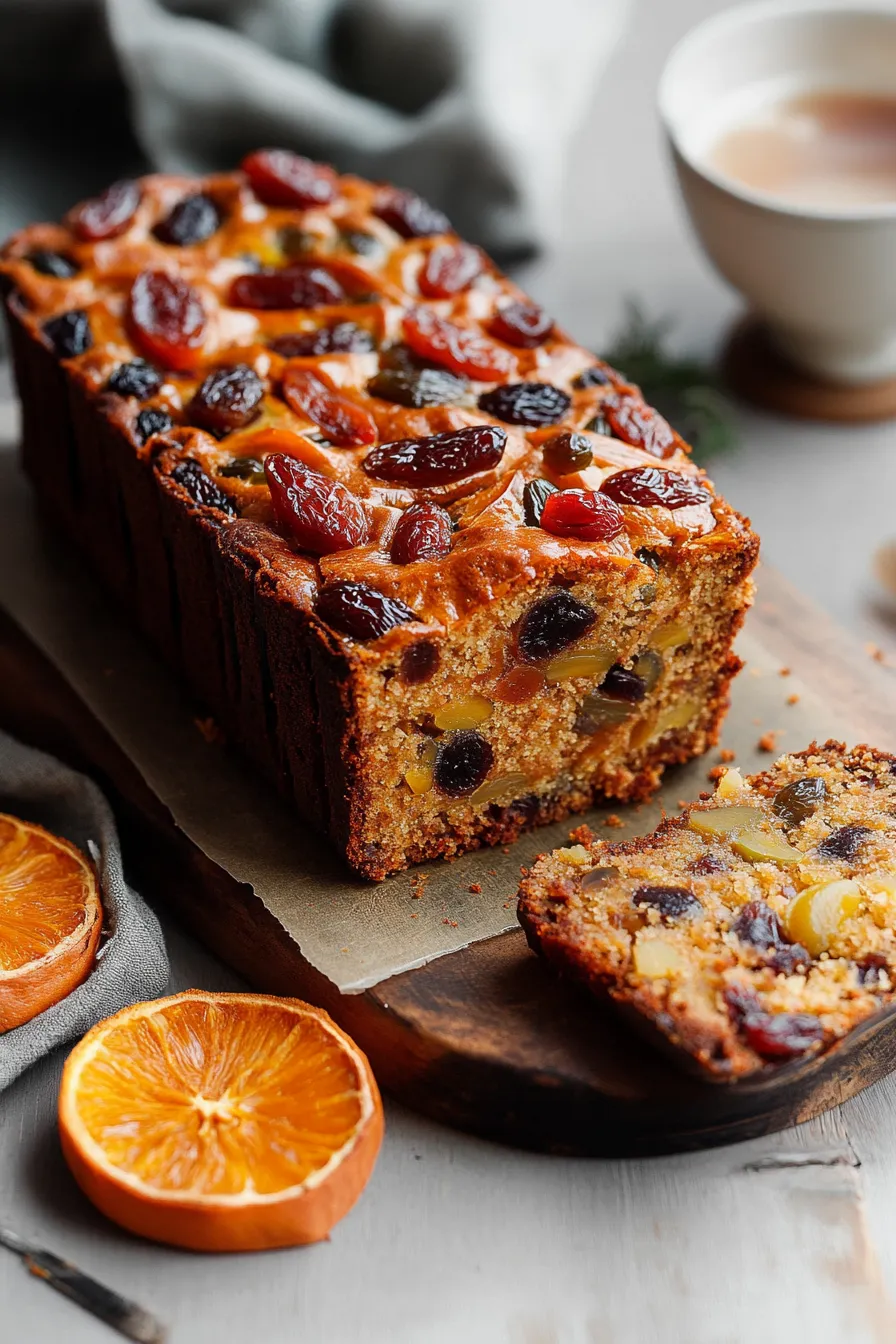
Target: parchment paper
point(355, 933)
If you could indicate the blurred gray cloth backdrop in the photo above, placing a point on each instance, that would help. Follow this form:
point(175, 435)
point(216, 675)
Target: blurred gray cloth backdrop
point(471, 102)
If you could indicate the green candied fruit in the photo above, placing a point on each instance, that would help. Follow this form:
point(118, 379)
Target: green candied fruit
point(596, 878)
point(725, 820)
point(600, 711)
point(417, 387)
point(797, 801)
point(764, 847)
point(249, 469)
point(649, 667)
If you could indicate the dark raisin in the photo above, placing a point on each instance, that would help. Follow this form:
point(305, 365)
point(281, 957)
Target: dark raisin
point(250, 469)
point(153, 420)
point(521, 324)
point(791, 959)
point(423, 532)
point(201, 487)
point(137, 378)
point(295, 242)
point(869, 968)
point(844, 843)
point(341, 338)
point(69, 333)
point(526, 403)
point(567, 452)
point(649, 558)
point(797, 801)
point(584, 515)
point(193, 220)
point(596, 878)
point(535, 496)
point(319, 514)
point(417, 387)
point(420, 662)
point(741, 1002)
point(706, 865)
point(295, 286)
point(439, 458)
point(551, 624)
point(227, 399)
point(364, 244)
point(360, 611)
point(408, 214)
point(670, 902)
point(758, 925)
point(597, 376)
point(621, 683)
point(651, 486)
point(599, 424)
point(781, 1035)
point(463, 762)
point(56, 264)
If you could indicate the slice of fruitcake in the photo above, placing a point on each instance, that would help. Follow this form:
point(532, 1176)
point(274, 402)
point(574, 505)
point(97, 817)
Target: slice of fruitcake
point(758, 926)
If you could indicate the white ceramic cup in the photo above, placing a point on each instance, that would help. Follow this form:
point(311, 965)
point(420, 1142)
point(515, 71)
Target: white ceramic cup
point(824, 280)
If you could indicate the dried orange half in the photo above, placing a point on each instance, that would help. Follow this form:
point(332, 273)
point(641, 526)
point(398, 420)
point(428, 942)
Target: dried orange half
point(221, 1122)
point(50, 920)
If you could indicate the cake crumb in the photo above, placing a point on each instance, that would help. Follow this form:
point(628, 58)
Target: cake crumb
point(783, 671)
point(726, 755)
point(769, 741)
point(876, 652)
point(415, 914)
point(452, 922)
point(506, 905)
point(493, 872)
point(793, 699)
point(613, 820)
point(582, 835)
point(716, 773)
point(475, 887)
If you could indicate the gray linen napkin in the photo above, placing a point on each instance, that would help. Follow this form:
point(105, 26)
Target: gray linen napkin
point(473, 103)
point(133, 964)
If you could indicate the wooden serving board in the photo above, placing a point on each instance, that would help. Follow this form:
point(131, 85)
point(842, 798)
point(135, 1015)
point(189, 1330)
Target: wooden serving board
point(485, 1039)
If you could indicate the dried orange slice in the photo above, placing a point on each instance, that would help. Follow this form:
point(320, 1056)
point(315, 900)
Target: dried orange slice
point(221, 1122)
point(50, 920)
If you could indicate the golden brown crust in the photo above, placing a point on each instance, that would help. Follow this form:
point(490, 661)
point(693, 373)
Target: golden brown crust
point(752, 962)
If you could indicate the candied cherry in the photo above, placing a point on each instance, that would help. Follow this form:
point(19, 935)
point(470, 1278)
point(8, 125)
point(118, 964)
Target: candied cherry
point(152, 420)
point(200, 487)
point(459, 349)
point(134, 379)
point(521, 324)
point(321, 515)
point(417, 387)
point(69, 333)
point(526, 403)
point(650, 486)
point(535, 495)
point(340, 338)
point(798, 800)
point(279, 177)
point(54, 264)
point(420, 662)
point(342, 420)
point(167, 318)
point(439, 458)
point(551, 624)
point(299, 285)
point(423, 532)
point(360, 611)
point(106, 215)
point(450, 268)
point(228, 399)
point(706, 865)
point(408, 214)
point(844, 843)
point(585, 515)
point(191, 221)
point(567, 452)
point(669, 902)
point(631, 420)
point(462, 763)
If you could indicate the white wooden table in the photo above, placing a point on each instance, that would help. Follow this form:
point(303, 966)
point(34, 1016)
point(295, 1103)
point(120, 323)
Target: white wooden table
point(787, 1238)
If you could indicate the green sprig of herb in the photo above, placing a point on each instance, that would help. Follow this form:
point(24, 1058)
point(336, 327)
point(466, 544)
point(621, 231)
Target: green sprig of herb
point(686, 390)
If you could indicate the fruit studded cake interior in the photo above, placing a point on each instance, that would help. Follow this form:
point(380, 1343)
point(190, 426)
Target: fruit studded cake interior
point(525, 590)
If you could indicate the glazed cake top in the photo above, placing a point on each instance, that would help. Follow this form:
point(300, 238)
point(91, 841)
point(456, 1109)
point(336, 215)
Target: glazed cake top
point(324, 358)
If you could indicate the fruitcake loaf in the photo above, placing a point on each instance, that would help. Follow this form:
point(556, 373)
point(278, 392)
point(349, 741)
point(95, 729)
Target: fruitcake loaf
point(439, 571)
point(757, 927)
